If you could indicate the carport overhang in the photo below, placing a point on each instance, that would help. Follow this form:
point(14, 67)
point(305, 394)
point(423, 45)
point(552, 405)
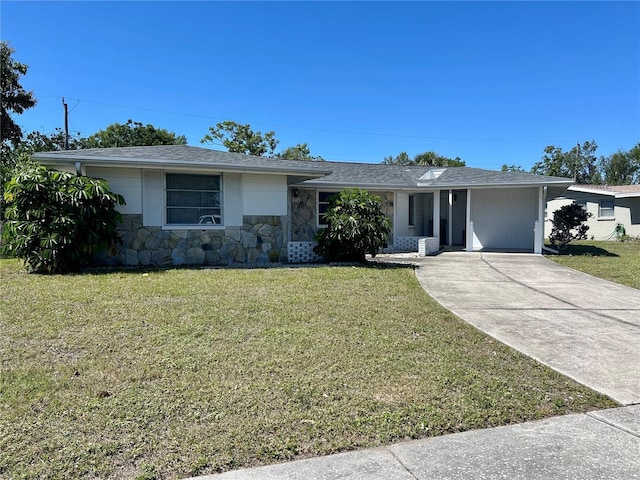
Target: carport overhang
point(546, 188)
point(545, 191)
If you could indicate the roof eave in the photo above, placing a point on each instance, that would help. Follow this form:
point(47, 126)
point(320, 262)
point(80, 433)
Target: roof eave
point(377, 186)
point(599, 191)
point(448, 186)
point(97, 161)
point(595, 191)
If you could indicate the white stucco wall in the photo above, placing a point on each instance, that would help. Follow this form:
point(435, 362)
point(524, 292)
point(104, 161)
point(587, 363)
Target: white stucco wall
point(124, 181)
point(152, 198)
point(626, 212)
point(401, 226)
point(264, 194)
point(423, 214)
point(232, 206)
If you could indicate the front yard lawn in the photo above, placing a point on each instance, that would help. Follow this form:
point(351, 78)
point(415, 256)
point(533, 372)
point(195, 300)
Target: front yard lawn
point(172, 373)
point(615, 261)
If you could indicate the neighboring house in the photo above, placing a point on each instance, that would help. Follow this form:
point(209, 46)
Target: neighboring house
point(190, 205)
point(610, 206)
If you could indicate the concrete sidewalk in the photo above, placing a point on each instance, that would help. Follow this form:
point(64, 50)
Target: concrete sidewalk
point(583, 327)
point(599, 445)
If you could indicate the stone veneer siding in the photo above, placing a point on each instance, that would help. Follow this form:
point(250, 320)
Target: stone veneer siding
point(303, 213)
point(260, 240)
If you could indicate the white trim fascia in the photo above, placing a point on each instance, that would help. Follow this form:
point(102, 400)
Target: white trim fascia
point(422, 187)
point(462, 186)
point(595, 191)
point(341, 185)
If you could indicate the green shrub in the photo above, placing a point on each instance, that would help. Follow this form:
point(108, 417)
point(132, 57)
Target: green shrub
point(568, 224)
point(356, 226)
point(55, 221)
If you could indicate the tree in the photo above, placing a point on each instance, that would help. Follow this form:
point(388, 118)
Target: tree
point(56, 220)
point(299, 152)
point(15, 99)
point(19, 154)
point(356, 226)
point(621, 168)
point(431, 159)
point(568, 224)
point(49, 142)
point(512, 168)
point(578, 163)
point(239, 138)
point(132, 134)
point(401, 159)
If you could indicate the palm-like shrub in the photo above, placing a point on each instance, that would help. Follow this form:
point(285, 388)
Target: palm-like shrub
point(356, 226)
point(55, 220)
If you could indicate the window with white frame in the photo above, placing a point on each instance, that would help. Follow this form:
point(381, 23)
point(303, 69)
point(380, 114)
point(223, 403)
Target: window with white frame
point(412, 210)
point(606, 209)
point(323, 205)
point(193, 199)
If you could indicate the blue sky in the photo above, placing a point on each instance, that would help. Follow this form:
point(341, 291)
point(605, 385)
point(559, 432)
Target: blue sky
point(492, 83)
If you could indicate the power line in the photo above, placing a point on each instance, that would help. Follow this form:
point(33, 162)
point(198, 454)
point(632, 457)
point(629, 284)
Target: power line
point(327, 130)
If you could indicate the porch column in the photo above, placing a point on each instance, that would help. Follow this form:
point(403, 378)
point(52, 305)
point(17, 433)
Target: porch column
point(394, 225)
point(436, 215)
point(538, 240)
point(469, 239)
point(450, 220)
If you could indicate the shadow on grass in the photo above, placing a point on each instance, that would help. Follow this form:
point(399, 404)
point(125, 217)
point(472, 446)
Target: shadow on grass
point(123, 270)
point(587, 251)
point(374, 264)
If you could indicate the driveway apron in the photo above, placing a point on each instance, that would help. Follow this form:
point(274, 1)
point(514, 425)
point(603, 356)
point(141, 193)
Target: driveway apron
point(579, 325)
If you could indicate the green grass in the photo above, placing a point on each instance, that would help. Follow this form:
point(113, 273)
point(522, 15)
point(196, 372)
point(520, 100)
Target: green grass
point(615, 261)
point(172, 373)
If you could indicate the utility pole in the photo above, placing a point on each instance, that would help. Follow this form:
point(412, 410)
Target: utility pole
point(66, 125)
point(575, 165)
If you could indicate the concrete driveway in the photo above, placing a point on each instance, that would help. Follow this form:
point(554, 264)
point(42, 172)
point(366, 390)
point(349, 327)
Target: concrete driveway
point(579, 325)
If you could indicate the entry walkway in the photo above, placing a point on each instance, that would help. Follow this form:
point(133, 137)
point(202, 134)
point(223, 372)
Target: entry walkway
point(579, 325)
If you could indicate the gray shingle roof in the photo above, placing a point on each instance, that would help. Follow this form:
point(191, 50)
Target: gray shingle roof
point(182, 155)
point(370, 174)
point(337, 174)
point(616, 191)
point(413, 176)
point(612, 188)
point(468, 176)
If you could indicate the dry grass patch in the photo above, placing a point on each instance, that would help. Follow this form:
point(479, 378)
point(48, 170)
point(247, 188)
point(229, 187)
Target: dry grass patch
point(173, 373)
